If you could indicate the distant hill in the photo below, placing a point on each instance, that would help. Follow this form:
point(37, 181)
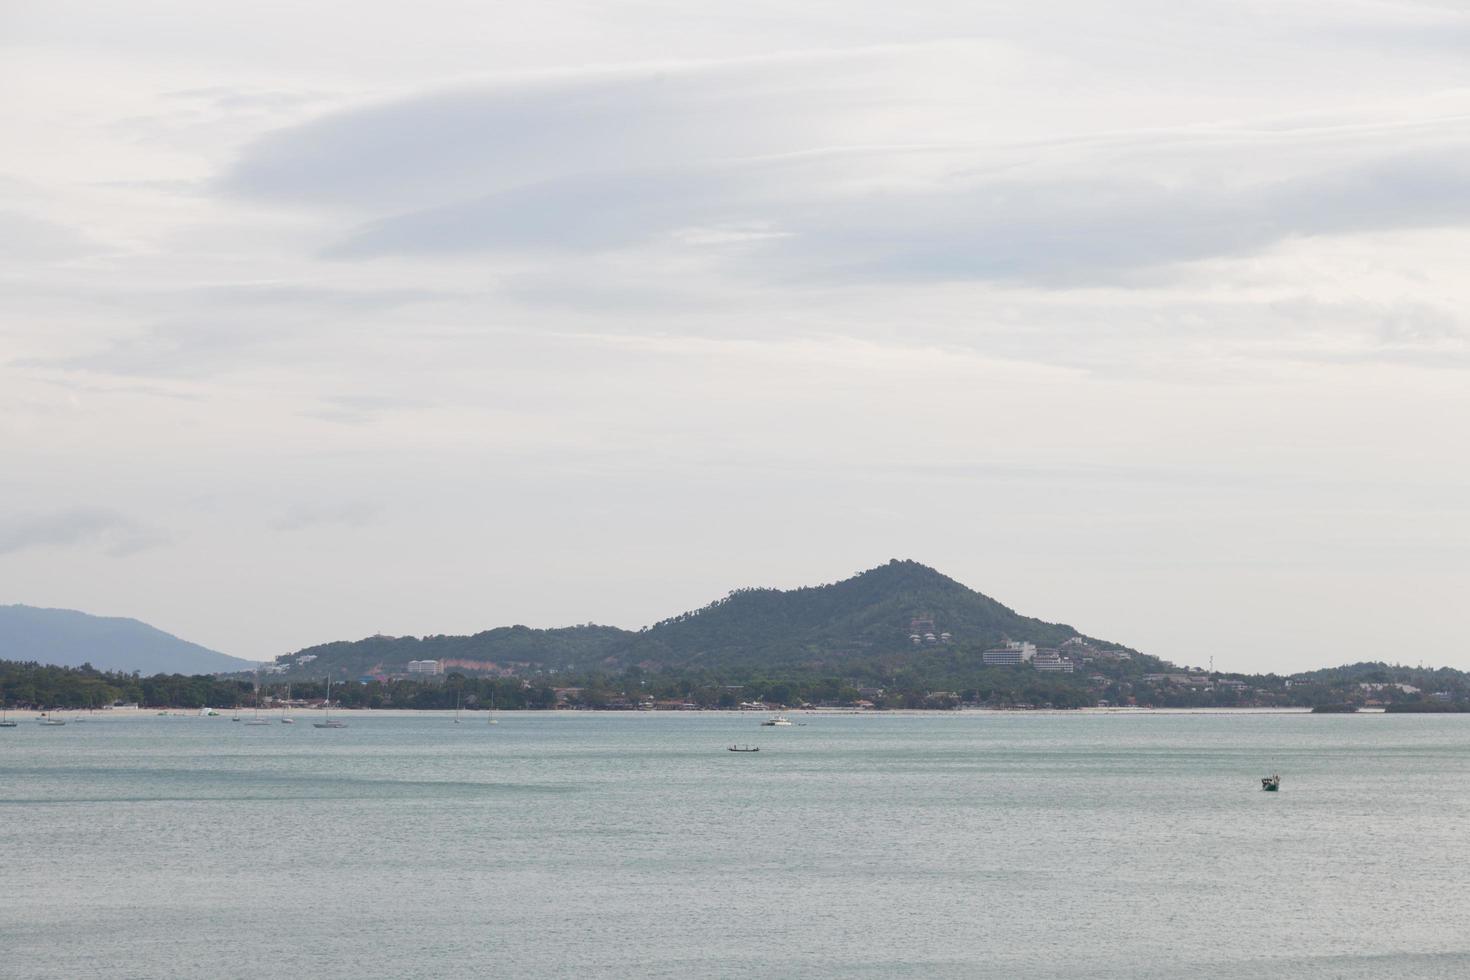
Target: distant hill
point(68, 638)
point(871, 615)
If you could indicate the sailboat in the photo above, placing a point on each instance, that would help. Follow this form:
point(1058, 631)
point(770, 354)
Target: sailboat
point(492, 720)
point(5, 721)
point(286, 718)
point(256, 719)
point(456, 707)
point(328, 722)
point(46, 719)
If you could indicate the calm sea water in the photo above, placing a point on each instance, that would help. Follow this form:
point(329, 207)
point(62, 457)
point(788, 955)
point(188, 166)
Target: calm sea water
point(617, 845)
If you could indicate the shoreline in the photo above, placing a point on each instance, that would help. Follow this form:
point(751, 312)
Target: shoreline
point(502, 715)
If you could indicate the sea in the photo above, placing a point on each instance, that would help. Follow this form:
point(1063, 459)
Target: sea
point(583, 844)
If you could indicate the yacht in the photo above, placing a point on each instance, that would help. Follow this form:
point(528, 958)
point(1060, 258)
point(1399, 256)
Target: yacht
point(255, 718)
point(46, 719)
point(780, 721)
point(329, 721)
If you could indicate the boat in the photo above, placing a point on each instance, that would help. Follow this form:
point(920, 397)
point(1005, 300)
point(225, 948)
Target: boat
point(492, 720)
point(5, 721)
point(255, 718)
point(46, 719)
point(208, 713)
point(286, 718)
point(329, 721)
point(780, 721)
point(1271, 783)
point(745, 748)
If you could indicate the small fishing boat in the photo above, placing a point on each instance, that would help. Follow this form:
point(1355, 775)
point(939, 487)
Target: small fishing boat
point(745, 748)
point(780, 721)
point(1271, 783)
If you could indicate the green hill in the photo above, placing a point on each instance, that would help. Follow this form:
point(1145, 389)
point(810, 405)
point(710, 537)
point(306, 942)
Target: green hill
point(871, 616)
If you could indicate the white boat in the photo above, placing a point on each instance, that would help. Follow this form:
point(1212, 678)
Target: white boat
point(46, 719)
point(492, 720)
point(329, 721)
point(780, 721)
point(5, 721)
point(208, 713)
point(286, 718)
point(255, 718)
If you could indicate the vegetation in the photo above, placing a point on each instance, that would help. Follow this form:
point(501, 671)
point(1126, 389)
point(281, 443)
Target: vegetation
point(44, 687)
point(931, 682)
point(858, 627)
point(852, 643)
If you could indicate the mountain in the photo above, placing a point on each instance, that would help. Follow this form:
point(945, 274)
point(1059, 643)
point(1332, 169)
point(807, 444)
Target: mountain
point(874, 612)
point(871, 616)
point(68, 638)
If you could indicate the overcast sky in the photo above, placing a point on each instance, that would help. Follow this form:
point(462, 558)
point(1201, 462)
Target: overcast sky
point(347, 317)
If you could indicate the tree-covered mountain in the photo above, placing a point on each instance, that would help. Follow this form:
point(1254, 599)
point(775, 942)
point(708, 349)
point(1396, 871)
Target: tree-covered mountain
point(515, 649)
point(67, 638)
point(875, 612)
point(867, 619)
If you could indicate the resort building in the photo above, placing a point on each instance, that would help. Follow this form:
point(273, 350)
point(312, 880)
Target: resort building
point(1051, 660)
point(424, 667)
point(1009, 654)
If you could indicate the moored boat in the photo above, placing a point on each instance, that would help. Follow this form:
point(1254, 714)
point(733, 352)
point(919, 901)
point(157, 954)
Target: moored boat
point(780, 721)
point(1271, 783)
point(745, 748)
point(329, 721)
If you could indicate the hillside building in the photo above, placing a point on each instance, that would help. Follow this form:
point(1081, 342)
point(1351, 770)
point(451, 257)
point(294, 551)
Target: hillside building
point(1009, 654)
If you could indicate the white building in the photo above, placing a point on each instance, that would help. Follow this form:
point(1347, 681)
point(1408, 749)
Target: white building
point(1051, 660)
point(424, 667)
point(1011, 653)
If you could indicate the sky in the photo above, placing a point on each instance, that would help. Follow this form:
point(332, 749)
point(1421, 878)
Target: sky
point(328, 319)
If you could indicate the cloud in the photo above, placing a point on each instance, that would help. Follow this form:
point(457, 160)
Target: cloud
point(1062, 228)
point(909, 163)
point(349, 513)
point(96, 528)
point(24, 238)
point(441, 146)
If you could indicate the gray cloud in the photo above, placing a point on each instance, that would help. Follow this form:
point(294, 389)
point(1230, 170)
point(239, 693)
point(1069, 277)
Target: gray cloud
point(26, 238)
point(805, 148)
point(98, 528)
point(442, 146)
point(1064, 228)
